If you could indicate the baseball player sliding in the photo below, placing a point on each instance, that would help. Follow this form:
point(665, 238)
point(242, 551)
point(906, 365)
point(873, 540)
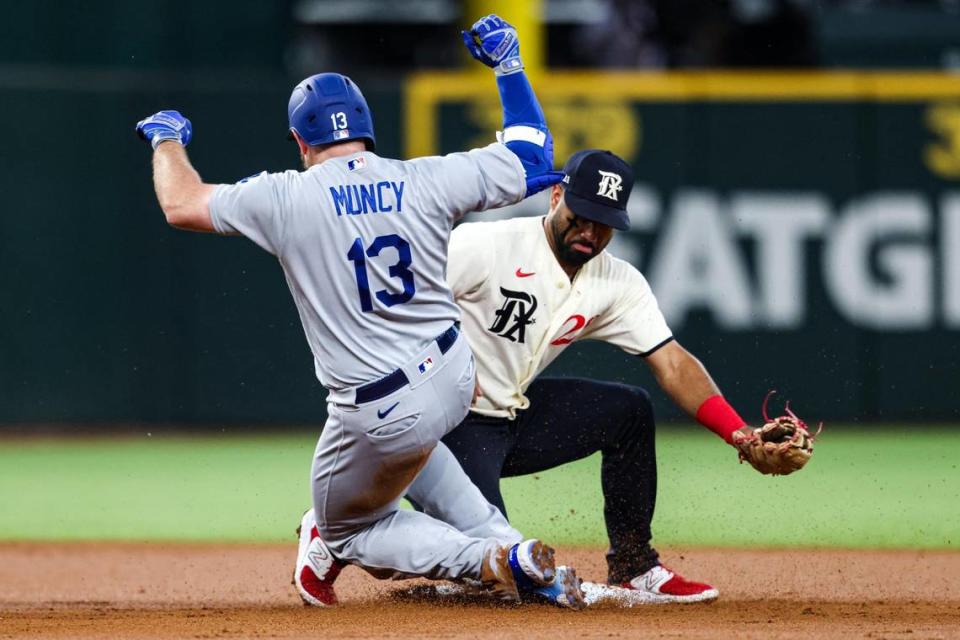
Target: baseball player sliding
point(527, 289)
point(363, 245)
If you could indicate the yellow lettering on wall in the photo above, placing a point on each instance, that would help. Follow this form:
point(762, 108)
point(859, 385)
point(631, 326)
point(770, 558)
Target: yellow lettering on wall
point(943, 156)
point(575, 124)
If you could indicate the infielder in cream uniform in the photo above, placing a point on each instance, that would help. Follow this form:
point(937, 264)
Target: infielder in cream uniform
point(527, 288)
point(508, 284)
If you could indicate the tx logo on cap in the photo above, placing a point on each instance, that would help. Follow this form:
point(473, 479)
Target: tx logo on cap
point(609, 185)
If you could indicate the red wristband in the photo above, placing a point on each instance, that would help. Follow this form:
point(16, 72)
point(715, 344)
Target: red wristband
point(717, 415)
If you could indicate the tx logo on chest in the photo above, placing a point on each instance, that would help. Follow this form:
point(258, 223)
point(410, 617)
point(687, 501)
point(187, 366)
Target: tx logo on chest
point(511, 319)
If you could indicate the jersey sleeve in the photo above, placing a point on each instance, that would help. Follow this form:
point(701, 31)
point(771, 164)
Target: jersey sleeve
point(468, 260)
point(255, 207)
point(475, 180)
point(633, 321)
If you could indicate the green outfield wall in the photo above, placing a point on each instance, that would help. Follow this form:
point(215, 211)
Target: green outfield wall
point(801, 232)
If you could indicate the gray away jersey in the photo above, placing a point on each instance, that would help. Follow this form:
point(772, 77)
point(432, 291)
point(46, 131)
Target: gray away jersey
point(363, 245)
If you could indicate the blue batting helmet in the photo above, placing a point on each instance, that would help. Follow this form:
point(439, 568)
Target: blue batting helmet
point(328, 107)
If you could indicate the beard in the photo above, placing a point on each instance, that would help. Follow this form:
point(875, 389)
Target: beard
point(566, 253)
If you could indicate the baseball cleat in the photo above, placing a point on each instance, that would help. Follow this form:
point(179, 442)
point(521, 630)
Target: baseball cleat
point(565, 590)
point(316, 569)
point(660, 585)
point(539, 579)
point(531, 561)
point(508, 572)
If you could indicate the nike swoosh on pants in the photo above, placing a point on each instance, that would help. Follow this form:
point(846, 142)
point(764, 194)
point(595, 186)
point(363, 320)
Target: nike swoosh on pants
point(384, 413)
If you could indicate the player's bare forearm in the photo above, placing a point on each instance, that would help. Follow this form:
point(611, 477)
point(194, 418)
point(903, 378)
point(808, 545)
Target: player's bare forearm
point(182, 195)
point(682, 377)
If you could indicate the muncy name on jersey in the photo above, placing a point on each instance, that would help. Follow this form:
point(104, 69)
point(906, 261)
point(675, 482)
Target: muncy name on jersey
point(355, 199)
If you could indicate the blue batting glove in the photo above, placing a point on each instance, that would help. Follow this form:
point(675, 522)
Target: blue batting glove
point(493, 41)
point(165, 125)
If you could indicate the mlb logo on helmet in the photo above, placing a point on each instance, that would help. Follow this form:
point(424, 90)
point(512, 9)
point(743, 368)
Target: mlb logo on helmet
point(597, 186)
point(425, 366)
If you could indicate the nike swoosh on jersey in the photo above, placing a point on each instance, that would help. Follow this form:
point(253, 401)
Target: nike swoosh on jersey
point(521, 274)
point(384, 413)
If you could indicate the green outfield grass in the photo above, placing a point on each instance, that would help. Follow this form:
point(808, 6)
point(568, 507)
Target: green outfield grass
point(897, 487)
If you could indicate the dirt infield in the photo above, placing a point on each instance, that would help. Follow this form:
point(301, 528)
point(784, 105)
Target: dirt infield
point(243, 591)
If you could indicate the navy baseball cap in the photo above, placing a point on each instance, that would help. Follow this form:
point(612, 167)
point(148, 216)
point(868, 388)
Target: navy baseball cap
point(597, 185)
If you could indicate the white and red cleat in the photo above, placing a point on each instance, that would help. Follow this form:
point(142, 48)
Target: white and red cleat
point(661, 585)
point(316, 569)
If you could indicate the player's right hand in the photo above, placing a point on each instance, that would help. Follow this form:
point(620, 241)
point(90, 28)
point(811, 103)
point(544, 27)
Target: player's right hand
point(493, 41)
point(165, 125)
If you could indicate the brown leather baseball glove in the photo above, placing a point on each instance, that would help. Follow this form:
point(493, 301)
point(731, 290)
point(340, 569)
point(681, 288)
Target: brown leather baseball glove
point(780, 447)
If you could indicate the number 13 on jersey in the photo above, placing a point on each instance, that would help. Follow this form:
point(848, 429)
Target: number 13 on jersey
point(398, 270)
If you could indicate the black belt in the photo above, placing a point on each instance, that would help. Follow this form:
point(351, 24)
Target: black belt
point(398, 379)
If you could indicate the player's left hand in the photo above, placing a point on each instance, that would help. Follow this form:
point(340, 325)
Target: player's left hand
point(494, 42)
point(165, 125)
point(780, 447)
